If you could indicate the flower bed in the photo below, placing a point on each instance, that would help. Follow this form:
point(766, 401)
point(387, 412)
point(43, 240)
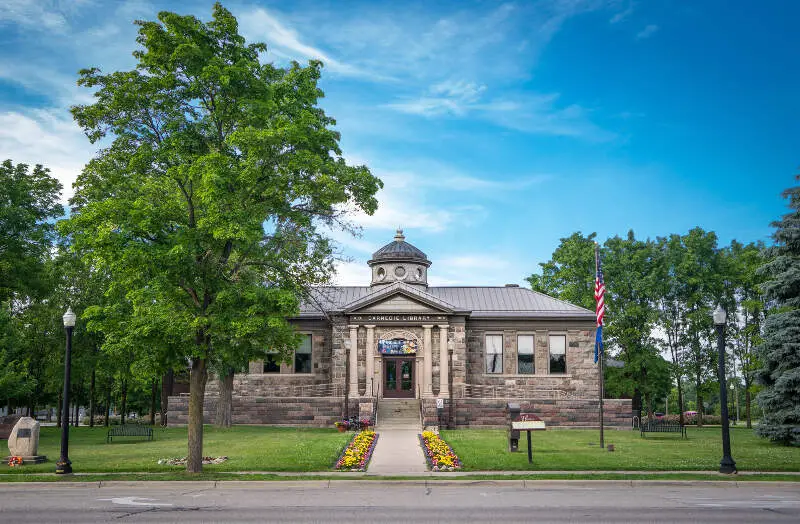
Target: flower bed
point(182, 461)
point(356, 455)
point(438, 453)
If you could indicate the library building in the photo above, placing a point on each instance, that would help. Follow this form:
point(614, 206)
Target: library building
point(452, 356)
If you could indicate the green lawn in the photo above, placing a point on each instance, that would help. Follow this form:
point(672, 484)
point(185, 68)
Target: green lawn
point(571, 450)
point(248, 448)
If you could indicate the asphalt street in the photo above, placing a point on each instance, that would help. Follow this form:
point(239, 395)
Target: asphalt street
point(412, 501)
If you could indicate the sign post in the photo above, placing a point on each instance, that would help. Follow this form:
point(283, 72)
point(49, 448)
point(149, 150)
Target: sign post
point(528, 422)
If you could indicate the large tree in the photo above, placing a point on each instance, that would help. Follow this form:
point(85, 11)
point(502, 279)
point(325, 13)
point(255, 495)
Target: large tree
point(208, 199)
point(29, 203)
point(780, 349)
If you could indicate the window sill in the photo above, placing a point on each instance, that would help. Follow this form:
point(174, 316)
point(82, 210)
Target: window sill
point(528, 375)
point(285, 374)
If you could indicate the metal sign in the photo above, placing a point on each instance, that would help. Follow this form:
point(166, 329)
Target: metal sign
point(528, 424)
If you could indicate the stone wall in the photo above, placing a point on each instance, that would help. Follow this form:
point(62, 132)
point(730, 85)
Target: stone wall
point(300, 411)
point(580, 379)
point(493, 413)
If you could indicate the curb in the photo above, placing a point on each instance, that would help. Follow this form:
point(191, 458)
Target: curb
point(327, 484)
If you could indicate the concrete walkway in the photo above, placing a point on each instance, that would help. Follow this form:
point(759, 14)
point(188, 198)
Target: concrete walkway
point(397, 452)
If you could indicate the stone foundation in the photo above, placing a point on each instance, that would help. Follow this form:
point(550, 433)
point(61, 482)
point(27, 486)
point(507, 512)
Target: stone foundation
point(277, 411)
point(469, 413)
point(493, 413)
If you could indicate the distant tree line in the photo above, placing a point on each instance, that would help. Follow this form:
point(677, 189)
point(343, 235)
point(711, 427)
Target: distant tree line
point(660, 294)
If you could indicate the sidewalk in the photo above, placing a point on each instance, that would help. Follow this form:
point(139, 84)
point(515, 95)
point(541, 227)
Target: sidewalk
point(398, 453)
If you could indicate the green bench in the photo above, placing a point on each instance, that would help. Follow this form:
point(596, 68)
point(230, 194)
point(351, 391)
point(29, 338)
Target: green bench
point(129, 430)
point(662, 426)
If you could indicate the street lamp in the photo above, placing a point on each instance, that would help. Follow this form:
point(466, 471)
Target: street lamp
point(726, 465)
point(64, 465)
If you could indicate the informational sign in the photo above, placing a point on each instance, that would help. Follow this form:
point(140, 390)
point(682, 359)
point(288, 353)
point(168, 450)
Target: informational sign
point(397, 346)
point(528, 424)
point(439, 403)
point(528, 421)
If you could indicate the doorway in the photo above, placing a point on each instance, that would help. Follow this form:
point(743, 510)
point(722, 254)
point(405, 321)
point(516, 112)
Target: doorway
point(398, 378)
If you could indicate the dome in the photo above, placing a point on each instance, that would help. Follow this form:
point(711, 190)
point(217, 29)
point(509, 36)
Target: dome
point(399, 249)
point(399, 261)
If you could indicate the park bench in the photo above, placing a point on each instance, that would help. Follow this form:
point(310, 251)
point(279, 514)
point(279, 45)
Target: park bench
point(129, 430)
point(662, 426)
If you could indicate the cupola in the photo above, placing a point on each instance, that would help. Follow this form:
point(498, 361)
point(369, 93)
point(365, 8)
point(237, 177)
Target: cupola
point(399, 261)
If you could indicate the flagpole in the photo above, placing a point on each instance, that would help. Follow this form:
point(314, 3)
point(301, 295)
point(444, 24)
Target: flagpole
point(601, 350)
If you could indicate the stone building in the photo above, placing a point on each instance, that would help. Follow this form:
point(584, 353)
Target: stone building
point(474, 347)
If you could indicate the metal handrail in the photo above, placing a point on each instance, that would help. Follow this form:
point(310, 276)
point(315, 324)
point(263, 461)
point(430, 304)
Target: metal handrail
point(513, 392)
point(421, 415)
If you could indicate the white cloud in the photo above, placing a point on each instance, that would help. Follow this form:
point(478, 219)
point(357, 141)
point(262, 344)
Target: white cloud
point(46, 137)
point(352, 273)
point(261, 26)
point(647, 32)
point(622, 15)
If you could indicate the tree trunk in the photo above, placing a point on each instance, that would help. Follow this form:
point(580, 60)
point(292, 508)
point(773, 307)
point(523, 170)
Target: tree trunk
point(59, 409)
point(91, 400)
point(197, 391)
point(747, 402)
point(167, 383)
point(699, 410)
point(153, 403)
point(124, 402)
point(77, 412)
point(108, 406)
point(225, 402)
point(680, 401)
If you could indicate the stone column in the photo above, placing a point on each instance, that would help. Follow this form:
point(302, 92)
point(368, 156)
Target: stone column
point(427, 379)
point(353, 386)
point(370, 354)
point(444, 363)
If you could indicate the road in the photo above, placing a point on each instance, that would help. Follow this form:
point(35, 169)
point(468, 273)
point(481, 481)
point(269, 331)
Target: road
point(412, 501)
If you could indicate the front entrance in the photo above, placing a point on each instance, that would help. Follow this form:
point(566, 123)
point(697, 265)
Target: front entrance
point(398, 377)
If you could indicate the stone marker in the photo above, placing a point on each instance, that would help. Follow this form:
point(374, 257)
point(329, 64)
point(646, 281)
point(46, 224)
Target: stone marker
point(24, 441)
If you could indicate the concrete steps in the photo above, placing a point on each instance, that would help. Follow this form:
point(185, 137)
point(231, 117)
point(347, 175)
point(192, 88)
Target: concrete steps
point(398, 414)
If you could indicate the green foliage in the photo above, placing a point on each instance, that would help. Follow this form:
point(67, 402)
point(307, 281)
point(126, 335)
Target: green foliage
point(204, 209)
point(569, 275)
point(780, 350)
point(28, 204)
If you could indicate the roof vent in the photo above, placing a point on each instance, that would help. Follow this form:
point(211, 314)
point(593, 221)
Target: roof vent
point(512, 285)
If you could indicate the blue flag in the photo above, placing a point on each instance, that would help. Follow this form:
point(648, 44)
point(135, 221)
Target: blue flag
point(598, 343)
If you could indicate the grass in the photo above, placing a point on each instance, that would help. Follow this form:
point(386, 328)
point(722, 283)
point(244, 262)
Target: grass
point(574, 450)
point(248, 448)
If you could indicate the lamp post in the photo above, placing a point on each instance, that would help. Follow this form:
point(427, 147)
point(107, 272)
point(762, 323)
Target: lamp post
point(726, 465)
point(64, 465)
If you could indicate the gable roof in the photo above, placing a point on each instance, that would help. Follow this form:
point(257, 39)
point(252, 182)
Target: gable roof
point(400, 288)
point(476, 301)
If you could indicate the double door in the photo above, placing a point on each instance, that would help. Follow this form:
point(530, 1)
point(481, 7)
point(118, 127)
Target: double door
point(398, 377)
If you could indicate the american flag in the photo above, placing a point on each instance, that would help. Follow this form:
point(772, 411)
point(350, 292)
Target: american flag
point(600, 309)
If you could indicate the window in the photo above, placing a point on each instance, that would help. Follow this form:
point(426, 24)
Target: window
point(494, 353)
point(302, 356)
point(525, 355)
point(558, 354)
point(271, 363)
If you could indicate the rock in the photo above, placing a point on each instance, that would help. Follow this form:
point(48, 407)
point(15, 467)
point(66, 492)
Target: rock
point(24, 438)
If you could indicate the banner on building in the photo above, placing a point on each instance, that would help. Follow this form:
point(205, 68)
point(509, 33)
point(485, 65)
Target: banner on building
point(397, 346)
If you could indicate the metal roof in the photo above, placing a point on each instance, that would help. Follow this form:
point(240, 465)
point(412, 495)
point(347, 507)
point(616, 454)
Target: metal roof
point(399, 249)
point(479, 301)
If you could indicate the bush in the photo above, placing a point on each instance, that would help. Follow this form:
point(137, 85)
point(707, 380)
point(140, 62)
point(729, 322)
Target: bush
point(688, 421)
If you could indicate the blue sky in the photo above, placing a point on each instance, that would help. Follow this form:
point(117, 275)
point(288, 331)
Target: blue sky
point(497, 127)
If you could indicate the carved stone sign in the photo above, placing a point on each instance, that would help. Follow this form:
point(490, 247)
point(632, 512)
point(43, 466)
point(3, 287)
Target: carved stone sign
point(398, 318)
